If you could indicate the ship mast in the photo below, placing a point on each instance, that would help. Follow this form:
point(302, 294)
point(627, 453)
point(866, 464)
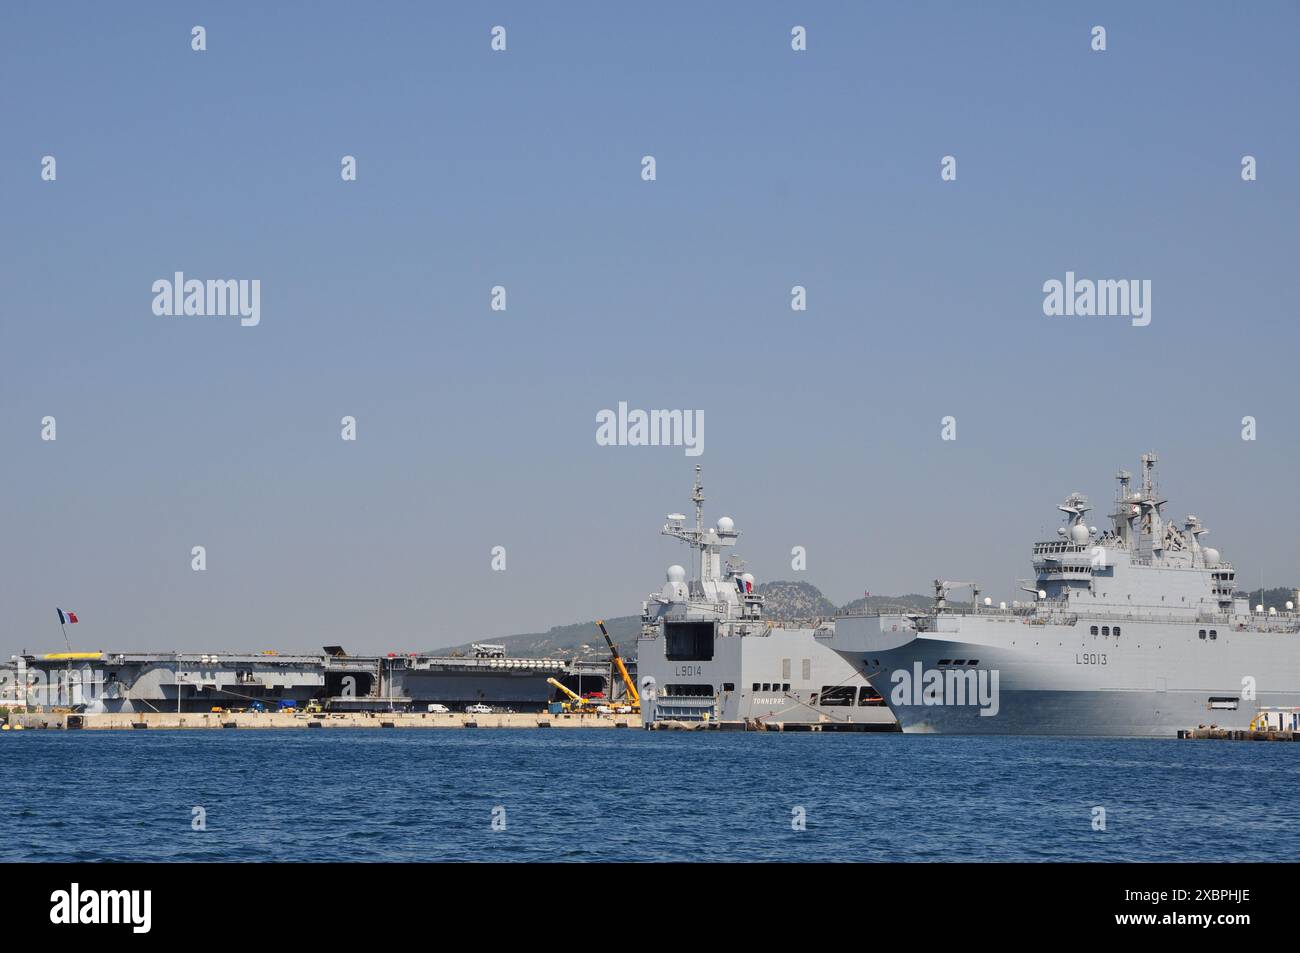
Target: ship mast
point(695, 538)
point(1123, 515)
point(706, 542)
point(697, 497)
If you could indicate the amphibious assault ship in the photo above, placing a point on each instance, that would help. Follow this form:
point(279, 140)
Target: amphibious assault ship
point(706, 654)
point(1133, 631)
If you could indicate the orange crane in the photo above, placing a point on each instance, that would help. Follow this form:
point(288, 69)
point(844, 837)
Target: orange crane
point(633, 695)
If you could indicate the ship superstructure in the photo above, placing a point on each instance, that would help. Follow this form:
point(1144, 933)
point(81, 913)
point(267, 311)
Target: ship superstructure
point(708, 654)
point(1134, 630)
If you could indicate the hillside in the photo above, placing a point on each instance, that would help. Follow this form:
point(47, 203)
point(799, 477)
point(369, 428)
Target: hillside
point(1272, 598)
point(884, 603)
point(784, 601)
point(580, 640)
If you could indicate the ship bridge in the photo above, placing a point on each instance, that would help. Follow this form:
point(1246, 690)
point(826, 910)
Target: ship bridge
point(1145, 561)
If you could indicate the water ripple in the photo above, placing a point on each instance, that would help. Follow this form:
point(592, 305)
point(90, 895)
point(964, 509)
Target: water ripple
point(592, 795)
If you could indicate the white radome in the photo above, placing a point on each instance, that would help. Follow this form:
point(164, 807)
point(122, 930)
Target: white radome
point(726, 525)
point(1211, 556)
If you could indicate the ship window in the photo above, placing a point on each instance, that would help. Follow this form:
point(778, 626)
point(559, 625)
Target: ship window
point(838, 695)
point(1201, 634)
point(960, 661)
point(728, 686)
point(1094, 630)
point(756, 686)
point(945, 661)
point(973, 661)
point(767, 686)
point(1214, 634)
point(869, 696)
point(1116, 632)
point(1105, 630)
point(785, 686)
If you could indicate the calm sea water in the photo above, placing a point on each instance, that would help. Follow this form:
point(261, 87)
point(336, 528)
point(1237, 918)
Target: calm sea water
point(392, 795)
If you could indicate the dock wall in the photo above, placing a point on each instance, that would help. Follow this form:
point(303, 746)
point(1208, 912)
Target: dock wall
point(268, 720)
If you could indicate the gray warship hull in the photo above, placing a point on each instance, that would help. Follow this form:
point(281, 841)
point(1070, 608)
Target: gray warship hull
point(778, 676)
point(1154, 680)
point(172, 682)
point(1135, 631)
point(708, 654)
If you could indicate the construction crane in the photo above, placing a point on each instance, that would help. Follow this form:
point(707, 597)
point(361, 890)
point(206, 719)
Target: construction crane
point(633, 696)
point(576, 702)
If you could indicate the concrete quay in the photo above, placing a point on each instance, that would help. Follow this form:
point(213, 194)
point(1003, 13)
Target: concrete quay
point(128, 721)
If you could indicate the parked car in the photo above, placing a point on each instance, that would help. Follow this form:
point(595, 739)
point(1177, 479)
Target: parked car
point(478, 710)
point(439, 709)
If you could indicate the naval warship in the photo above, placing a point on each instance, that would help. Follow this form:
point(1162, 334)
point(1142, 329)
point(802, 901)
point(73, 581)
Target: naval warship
point(110, 682)
point(707, 654)
point(1133, 631)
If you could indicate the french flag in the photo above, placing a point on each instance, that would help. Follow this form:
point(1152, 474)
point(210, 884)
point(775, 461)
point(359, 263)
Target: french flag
point(67, 617)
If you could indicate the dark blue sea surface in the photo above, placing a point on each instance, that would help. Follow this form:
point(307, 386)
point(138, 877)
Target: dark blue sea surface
point(407, 795)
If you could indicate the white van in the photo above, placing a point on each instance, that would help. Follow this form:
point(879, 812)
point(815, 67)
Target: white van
point(437, 709)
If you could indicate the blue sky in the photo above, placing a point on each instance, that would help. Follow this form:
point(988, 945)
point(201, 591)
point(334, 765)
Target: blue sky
point(476, 428)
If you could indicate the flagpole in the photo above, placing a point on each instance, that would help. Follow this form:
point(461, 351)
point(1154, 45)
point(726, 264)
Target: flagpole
point(69, 645)
point(66, 641)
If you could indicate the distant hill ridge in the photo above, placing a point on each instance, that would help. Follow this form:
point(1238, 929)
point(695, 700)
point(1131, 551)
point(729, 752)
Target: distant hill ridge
point(784, 601)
